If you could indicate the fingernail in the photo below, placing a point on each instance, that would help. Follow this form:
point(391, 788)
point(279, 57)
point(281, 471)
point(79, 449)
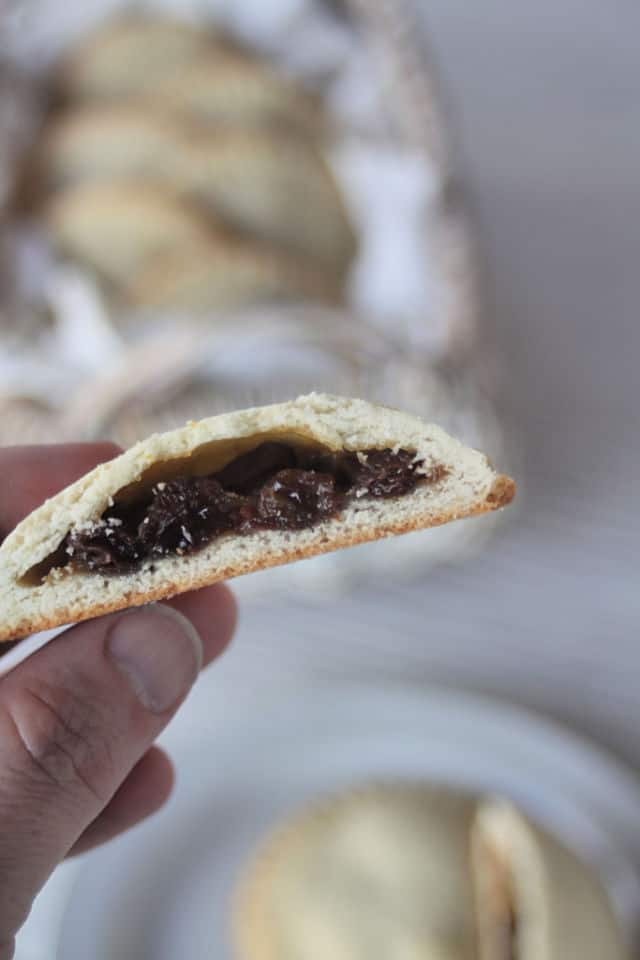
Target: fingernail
point(159, 652)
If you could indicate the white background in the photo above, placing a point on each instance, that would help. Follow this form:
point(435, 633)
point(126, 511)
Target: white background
point(546, 101)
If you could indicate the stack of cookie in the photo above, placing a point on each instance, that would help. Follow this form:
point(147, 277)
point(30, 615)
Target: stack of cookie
point(187, 174)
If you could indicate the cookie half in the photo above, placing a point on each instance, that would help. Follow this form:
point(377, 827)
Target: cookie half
point(233, 494)
point(535, 899)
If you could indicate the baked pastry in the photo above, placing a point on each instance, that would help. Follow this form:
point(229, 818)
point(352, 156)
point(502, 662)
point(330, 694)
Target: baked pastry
point(233, 494)
point(535, 899)
point(115, 227)
point(228, 87)
point(276, 187)
point(221, 274)
point(129, 53)
point(270, 185)
point(198, 71)
point(100, 141)
point(381, 872)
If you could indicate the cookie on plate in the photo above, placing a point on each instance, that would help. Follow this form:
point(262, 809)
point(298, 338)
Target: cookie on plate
point(379, 872)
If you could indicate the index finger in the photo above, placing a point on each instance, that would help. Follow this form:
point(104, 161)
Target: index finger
point(29, 475)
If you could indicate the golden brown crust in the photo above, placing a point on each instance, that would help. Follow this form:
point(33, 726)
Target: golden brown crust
point(502, 493)
point(499, 496)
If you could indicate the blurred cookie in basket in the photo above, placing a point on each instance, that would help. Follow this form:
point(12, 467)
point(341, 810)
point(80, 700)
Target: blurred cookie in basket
point(195, 69)
point(115, 226)
point(229, 88)
point(376, 872)
point(155, 251)
point(219, 274)
point(275, 187)
point(177, 166)
point(127, 53)
point(100, 141)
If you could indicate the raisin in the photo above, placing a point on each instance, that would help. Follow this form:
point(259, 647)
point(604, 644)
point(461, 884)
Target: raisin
point(186, 513)
point(383, 473)
point(109, 547)
point(273, 486)
point(250, 470)
point(295, 499)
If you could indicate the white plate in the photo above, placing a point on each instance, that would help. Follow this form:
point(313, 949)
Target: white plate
point(163, 890)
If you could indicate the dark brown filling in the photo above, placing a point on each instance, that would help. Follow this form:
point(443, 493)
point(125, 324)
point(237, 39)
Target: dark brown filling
point(273, 487)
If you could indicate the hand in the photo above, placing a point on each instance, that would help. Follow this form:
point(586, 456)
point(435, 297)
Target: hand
point(79, 717)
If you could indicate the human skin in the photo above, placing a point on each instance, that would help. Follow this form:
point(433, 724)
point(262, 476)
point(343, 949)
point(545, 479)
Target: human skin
point(78, 719)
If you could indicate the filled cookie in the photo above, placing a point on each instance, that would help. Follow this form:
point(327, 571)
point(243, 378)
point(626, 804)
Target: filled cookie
point(379, 873)
point(232, 494)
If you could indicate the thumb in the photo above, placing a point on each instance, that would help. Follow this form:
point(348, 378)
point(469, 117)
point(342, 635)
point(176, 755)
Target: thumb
point(74, 720)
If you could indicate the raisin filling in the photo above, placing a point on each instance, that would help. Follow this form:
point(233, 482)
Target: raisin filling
point(273, 487)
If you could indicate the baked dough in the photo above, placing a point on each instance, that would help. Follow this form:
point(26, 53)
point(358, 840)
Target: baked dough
point(219, 274)
point(268, 184)
point(467, 485)
point(535, 899)
point(232, 88)
point(127, 53)
point(116, 227)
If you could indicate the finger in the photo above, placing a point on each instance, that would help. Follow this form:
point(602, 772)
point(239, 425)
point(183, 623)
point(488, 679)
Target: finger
point(31, 474)
point(143, 793)
point(75, 718)
point(213, 612)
